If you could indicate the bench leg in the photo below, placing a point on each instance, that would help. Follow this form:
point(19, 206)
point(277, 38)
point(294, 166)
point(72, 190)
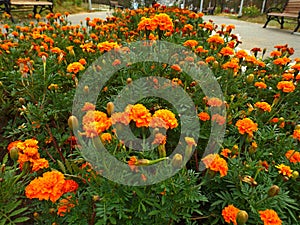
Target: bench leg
point(281, 22)
point(7, 9)
point(269, 18)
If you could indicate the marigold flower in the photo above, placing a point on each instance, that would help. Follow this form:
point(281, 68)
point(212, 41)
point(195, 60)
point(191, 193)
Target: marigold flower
point(232, 64)
point(167, 116)
point(296, 134)
point(287, 76)
point(107, 46)
point(215, 39)
point(286, 86)
point(241, 54)
point(190, 141)
point(229, 214)
point(214, 102)
point(246, 125)
point(95, 122)
point(49, 186)
point(296, 66)
point(263, 106)
point(176, 67)
point(88, 107)
point(204, 116)
point(140, 115)
point(284, 170)
point(190, 43)
point(215, 163)
point(159, 139)
point(282, 61)
point(70, 186)
point(260, 85)
point(269, 217)
point(227, 51)
point(293, 156)
point(147, 24)
point(64, 206)
point(221, 120)
point(120, 117)
point(163, 21)
point(75, 67)
point(106, 137)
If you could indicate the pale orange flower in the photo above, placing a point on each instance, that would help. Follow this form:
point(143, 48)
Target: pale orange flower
point(167, 116)
point(94, 123)
point(270, 217)
point(120, 117)
point(106, 137)
point(221, 120)
point(159, 139)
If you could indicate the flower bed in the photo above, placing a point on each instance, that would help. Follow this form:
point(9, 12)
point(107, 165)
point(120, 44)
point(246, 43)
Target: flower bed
point(47, 177)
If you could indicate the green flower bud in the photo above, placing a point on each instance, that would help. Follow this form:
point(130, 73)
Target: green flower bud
point(14, 153)
point(73, 122)
point(250, 78)
point(177, 161)
point(241, 217)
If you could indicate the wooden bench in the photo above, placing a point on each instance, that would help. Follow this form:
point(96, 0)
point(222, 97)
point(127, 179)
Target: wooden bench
point(290, 10)
point(115, 4)
point(43, 5)
point(209, 10)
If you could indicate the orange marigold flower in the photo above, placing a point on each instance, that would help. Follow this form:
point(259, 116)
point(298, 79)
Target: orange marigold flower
point(159, 139)
point(49, 186)
point(163, 21)
point(190, 141)
point(260, 85)
point(95, 122)
point(275, 53)
point(64, 206)
point(106, 137)
point(263, 106)
point(88, 106)
point(215, 163)
point(190, 43)
point(140, 115)
point(227, 51)
point(75, 67)
point(229, 214)
point(270, 217)
point(221, 120)
point(232, 64)
point(167, 116)
point(214, 102)
point(296, 134)
point(293, 156)
point(246, 125)
point(200, 49)
point(147, 24)
point(284, 170)
point(215, 39)
point(70, 186)
point(204, 116)
point(210, 59)
point(107, 46)
point(120, 117)
point(13, 144)
point(225, 152)
point(296, 66)
point(38, 164)
point(176, 67)
point(286, 86)
point(287, 76)
point(82, 61)
point(282, 61)
point(241, 54)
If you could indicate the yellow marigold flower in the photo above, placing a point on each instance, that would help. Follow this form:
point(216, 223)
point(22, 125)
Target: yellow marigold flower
point(167, 116)
point(286, 86)
point(296, 134)
point(270, 217)
point(284, 170)
point(140, 115)
point(107, 46)
point(246, 125)
point(263, 106)
point(215, 163)
point(75, 67)
point(229, 214)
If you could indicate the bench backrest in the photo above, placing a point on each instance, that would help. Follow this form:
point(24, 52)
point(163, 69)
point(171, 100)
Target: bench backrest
point(292, 6)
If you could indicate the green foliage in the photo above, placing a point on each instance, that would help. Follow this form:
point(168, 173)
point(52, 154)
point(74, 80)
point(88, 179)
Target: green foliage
point(251, 11)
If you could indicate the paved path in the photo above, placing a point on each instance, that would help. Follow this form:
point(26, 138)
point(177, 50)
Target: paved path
point(252, 34)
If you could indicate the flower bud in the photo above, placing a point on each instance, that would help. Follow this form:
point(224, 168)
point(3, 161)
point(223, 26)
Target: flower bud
point(14, 153)
point(297, 127)
point(250, 78)
point(52, 210)
point(110, 108)
point(280, 120)
point(129, 81)
point(273, 191)
point(73, 122)
point(295, 175)
point(22, 101)
point(241, 217)
point(162, 150)
point(177, 161)
point(35, 215)
point(86, 89)
point(96, 198)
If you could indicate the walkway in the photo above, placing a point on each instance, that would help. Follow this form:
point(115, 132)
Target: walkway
point(252, 34)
